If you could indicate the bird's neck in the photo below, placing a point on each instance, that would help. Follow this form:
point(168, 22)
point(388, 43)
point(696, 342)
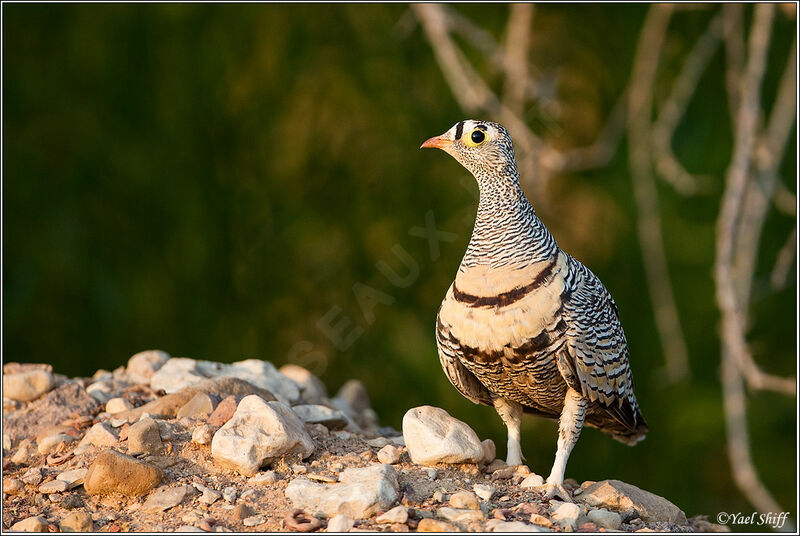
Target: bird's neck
point(507, 231)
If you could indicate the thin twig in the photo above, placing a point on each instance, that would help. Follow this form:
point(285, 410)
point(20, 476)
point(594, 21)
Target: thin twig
point(518, 34)
point(667, 164)
point(767, 156)
point(734, 53)
point(645, 64)
point(735, 353)
point(783, 264)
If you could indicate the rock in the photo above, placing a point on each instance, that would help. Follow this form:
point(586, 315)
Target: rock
point(340, 523)
point(72, 501)
point(565, 514)
point(201, 405)
point(51, 443)
point(378, 442)
point(253, 521)
point(13, 486)
point(265, 478)
point(459, 514)
point(28, 385)
point(53, 486)
point(483, 491)
point(433, 436)
point(56, 406)
point(101, 391)
point(25, 450)
point(488, 451)
point(208, 495)
point(99, 435)
point(242, 511)
point(77, 522)
point(331, 418)
point(464, 499)
point(434, 525)
point(619, 496)
point(224, 411)
point(538, 519)
point(390, 454)
point(180, 372)
point(73, 478)
point(496, 525)
point(605, 519)
point(259, 433)
point(360, 493)
point(532, 481)
point(165, 498)
point(398, 514)
point(144, 437)
point(143, 365)
point(203, 434)
point(113, 472)
point(229, 494)
point(118, 405)
point(312, 389)
point(13, 367)
point(355, 394)
point(32, 476)
point(31, 524)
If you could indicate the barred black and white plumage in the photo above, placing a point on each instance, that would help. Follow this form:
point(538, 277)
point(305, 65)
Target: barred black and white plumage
point(525, 326)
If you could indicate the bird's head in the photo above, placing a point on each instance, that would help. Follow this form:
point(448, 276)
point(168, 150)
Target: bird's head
point(483, 147)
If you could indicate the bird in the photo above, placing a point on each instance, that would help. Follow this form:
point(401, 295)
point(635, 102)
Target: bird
point(525, 327)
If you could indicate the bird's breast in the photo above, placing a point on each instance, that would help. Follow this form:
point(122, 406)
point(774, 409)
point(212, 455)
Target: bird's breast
point(494, 309)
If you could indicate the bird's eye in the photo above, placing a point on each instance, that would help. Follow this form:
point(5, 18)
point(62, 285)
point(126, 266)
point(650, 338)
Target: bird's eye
point(475, 138)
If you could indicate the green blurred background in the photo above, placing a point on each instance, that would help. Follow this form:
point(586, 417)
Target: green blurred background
point(212, 180)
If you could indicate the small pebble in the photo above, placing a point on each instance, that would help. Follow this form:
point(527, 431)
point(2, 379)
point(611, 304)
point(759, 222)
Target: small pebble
point(253, 521)
point(390, 454)
point(202, 435)
point(268, 477)
point(340, 523)
point(464, 499)
point(229, 494)
point(483, 491)
point(118, 405)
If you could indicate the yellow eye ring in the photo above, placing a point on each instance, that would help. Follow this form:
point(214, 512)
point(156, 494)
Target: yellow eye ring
point(475, 138)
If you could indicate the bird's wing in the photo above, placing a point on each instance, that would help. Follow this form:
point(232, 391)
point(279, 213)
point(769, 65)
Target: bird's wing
point(598, 352)
point(461, 378)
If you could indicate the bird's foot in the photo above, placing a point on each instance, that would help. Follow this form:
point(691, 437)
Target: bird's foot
point(556, 490)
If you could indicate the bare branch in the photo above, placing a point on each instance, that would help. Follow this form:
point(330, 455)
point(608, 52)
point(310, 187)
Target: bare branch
point(736, 359)
point(518, 33)
point(645, 63)
point(767, 155)
point(783, 264)
point(674, 108)
point(734, 53)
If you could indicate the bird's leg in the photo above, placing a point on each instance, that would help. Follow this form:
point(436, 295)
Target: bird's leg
point(569, 428)
point(511, 413)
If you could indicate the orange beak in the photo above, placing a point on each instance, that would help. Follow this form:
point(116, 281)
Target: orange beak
point(438, 142)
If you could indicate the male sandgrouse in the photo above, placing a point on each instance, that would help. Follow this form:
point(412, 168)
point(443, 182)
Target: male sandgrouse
point(524, 326)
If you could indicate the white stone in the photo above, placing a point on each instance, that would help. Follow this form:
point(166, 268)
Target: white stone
point(73, 478)
point(360, 493)
point(483, 491)
point(390, 454)
point(398, 514)
point(489, 451)
point(31, 524)
point(203, 434)
point(340, 523)
point(378, 442)
point(564, 514)
point(143, 365)
point(49, 444)
point(605, 519)
point(259, 433)
point(459, 514)
point(164, 498)
point(53, 486)
point(253, 521)
point(496, 525)
point(432, 436)
point(101, 391)
point(333, 419)
point(267, 477)
point(99, 435)
point(28, 385)
point(312, 390)
point(180, 372)
point(229, 494)
point(532, 481)
point(118, 405)
point(209, 496)
point(464, 499)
